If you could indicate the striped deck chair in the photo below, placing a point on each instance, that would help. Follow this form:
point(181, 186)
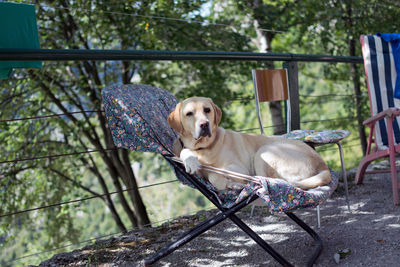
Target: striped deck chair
point(384, 121)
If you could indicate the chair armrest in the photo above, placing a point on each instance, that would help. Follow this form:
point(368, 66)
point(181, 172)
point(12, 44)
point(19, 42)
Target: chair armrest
point(390, 112)
point(224, 172)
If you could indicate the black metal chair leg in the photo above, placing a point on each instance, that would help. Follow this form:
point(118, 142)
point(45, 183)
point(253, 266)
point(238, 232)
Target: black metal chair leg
point(198, 230)
point(206, 225)
point(230, 213)
point(259, 241)
point(312, 233)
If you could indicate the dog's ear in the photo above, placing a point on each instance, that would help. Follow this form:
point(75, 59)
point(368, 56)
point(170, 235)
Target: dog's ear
point(217, 114)
point(174, 119)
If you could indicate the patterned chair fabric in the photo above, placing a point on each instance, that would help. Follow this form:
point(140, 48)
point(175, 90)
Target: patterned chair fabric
point(318, 137)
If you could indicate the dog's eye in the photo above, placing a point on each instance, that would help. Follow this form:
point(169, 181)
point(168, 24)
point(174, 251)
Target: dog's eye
point(207, 110)
point(189, 114)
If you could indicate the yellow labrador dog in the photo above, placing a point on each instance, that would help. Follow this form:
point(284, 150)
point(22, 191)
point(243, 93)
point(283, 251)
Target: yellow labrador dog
point(196, 120)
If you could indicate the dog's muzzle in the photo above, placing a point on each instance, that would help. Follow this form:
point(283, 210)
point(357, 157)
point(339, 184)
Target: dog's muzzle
point(205, 129)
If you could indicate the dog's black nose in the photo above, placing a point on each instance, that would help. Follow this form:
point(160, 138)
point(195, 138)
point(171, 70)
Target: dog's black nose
point(204, 125)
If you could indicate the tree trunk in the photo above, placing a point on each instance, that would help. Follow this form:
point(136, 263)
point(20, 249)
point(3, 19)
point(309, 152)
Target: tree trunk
point(115, 174)
point(134, 194)
point(107, 199)
point(358, 103)
point(356, 82)
point(126, 171)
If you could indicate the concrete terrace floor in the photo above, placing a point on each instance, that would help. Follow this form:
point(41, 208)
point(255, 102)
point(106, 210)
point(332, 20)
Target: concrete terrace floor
point(370, 234)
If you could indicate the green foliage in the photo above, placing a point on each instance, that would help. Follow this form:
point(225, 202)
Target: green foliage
point(62, 87)
point(309, 27)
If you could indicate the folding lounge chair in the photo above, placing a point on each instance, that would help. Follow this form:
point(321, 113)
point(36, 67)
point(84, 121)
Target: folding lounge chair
point(384, 121)
point(137, 118)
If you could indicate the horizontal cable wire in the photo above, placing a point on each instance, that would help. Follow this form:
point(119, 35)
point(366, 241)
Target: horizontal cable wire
point(258, 128)
point(157, 17)
point(52, 115)
point(91, 111)
point(328, 95)
point(277, 125)
point(241, 99)
point(227, 173)
point(333, 119)
point(102, 195)
point(98, 111)
point(108, 235)
point(111, 149)
point(115, 192)
point(58, 155)
point(83, 199)
point(331, 149)
point(88, 198)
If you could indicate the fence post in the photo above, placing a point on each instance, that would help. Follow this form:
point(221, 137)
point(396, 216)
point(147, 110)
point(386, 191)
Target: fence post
point(293, 79)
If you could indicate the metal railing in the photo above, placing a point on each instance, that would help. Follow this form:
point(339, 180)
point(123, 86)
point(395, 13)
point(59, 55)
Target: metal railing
point(95, 54)
point(290, 62)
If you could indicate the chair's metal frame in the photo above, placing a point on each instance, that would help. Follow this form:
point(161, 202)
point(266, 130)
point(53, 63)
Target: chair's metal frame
point(312, 144)
point(374, 152)
point(226, 213)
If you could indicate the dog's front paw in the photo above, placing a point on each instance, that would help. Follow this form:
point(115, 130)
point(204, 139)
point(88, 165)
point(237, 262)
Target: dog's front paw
point(192, 164)
point(190, 161)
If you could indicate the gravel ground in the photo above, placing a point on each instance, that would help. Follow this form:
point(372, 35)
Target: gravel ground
point(367, 236)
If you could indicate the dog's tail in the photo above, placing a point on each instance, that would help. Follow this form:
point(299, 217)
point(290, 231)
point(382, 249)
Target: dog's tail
point(322, 178)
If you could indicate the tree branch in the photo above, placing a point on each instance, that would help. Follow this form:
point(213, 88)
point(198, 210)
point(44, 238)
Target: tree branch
point(64, 176)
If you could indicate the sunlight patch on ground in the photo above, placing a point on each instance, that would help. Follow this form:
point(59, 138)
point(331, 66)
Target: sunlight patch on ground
point(276, 238)
point(359, 212)
point(276, 227)
point(387, 217)
point(350, 221)
point(235, 253)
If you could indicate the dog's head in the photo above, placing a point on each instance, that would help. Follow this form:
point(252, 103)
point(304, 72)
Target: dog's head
point(195, 118)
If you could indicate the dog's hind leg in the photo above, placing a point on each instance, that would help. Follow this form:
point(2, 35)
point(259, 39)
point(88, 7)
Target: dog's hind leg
point(322, 178)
